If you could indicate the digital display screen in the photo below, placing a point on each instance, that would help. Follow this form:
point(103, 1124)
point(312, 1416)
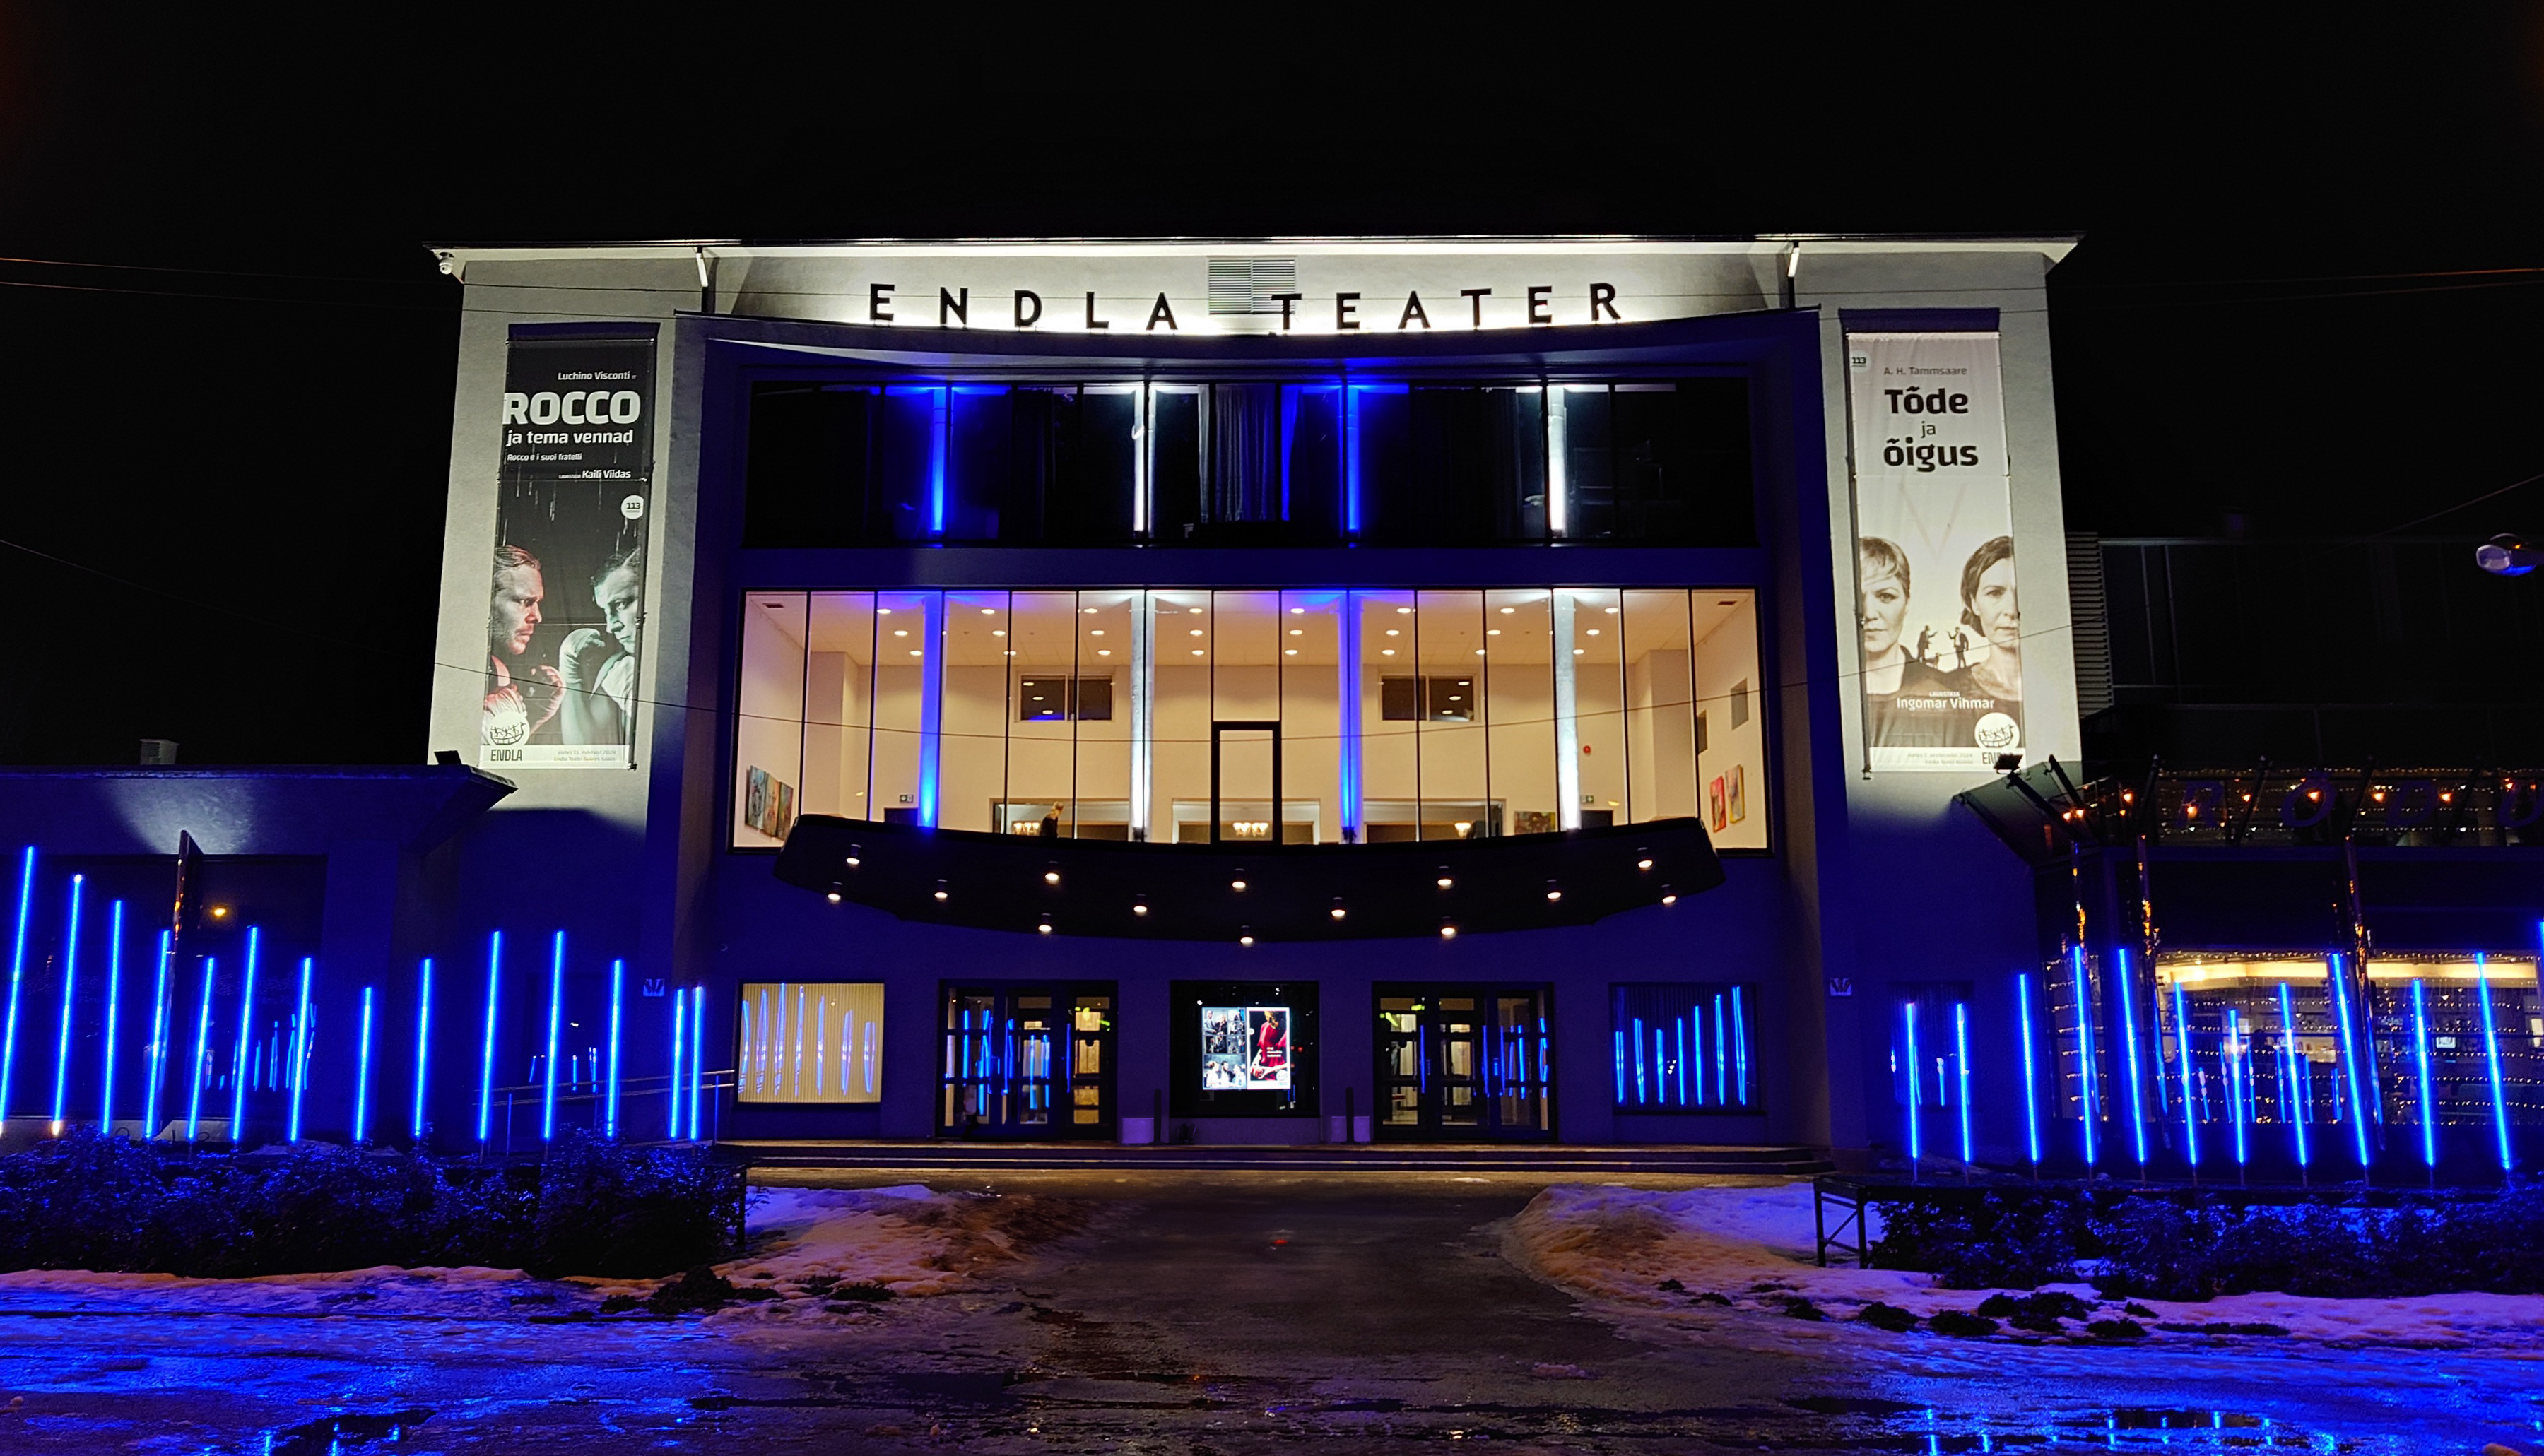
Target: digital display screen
point(1246, 1048)
point(809, 1041)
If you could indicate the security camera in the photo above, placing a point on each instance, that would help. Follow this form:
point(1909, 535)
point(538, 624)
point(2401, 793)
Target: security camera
point(2506, 555)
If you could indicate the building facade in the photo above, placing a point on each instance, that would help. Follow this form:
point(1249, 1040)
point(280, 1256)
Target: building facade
point(1245, 692)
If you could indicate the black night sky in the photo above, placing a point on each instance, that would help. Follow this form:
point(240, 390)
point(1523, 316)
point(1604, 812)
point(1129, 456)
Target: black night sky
point(2311, 294)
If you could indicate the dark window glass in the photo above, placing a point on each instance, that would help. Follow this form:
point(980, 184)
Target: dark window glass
point(1174, 464)
point(805, 484)
point(1432, 699)
point(906, 504)
point(1381, 502)
point(979, 459)
point(1311, 423)
point(1662, 464)
point(1093, 477)
point(1059, 699)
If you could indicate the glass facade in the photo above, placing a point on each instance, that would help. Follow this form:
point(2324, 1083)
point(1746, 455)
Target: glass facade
point(1170, 715)
point(1276, 462)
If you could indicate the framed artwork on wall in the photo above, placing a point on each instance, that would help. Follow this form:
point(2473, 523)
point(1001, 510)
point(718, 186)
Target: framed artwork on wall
point(1738, 797)
point(1715, 817)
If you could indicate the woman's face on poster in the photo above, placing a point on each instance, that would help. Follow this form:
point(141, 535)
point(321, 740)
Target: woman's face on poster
point(621, 599)
point(1885, 606)
point(2000, 614)
point(518, 593)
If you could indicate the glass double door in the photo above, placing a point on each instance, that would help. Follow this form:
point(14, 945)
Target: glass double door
point(1028, 1061)
point(1464, 1061)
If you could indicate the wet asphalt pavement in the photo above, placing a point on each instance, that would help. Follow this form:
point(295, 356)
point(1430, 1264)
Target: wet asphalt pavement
point(1200, 1314)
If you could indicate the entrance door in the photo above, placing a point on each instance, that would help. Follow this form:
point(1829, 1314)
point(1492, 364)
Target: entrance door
point(1028, 1061)
point(1464, 1061)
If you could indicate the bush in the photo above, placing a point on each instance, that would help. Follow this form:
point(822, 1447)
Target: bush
point(94, 1202)
point(2196, 1247)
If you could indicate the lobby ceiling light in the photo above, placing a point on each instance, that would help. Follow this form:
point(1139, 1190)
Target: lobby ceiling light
point(1196, 611)
point(1289, 652)
point(1404, 611)
point(1104, 652)
point(1198, 653)
point(1298, 611)
point(1386, 651)
point(1611, 611)
point(1506, 611)
point(1196, 632)
point(1090, 611)
point(1298, 631)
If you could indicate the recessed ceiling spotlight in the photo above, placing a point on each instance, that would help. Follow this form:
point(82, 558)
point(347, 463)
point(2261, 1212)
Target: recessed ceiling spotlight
point(1447, 931)
point(941, 892)
point(1445, 880)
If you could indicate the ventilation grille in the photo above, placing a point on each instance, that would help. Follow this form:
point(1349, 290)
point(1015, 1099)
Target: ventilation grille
point(1247, 286)
point(2093, 623)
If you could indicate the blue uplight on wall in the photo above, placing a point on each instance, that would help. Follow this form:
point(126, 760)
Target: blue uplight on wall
point(617, 983)
point(556, 1015)
point(680, 1055)
point(2091, 1107)
point(697, 1051)
point(423, 1043)
point(2291, 1104)
point(155, 1066)
point(17, 973)
point(2238, 1042)
point(113, 1008)
point(2349, 1058)
point(2181, 1048)
point(199, 1072)
point(2491, 1058)
point(2130, 1045)
point(2030, 1080)
point(1961, 1071)
point(299, 1050)
point(2421, 1064)
point(246, 1038)
point(1915, 1088)
point(486, 1059)
point(363, 1075)
point(70, 978)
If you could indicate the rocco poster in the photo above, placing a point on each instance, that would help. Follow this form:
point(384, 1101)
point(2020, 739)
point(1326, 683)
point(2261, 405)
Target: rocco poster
point(1939, 619)
point(565, 620)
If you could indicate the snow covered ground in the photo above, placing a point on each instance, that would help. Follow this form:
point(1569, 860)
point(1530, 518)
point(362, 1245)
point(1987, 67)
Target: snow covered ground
point(1752, 1245)
point(801, 1243)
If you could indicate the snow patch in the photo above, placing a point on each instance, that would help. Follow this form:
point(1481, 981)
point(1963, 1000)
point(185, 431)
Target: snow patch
point(1749, 1248)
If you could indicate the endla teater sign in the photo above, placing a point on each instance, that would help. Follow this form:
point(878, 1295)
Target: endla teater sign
point(954, 308)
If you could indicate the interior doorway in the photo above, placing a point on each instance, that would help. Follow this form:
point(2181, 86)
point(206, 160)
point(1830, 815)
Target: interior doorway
point(1028, 1061)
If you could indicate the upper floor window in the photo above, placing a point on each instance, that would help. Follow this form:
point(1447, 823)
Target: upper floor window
point(1265, 463)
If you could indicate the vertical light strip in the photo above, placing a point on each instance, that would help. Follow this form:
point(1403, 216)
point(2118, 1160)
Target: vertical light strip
point(2490, 1054)
point(486, 1056)
point(2421, 1060)
point(423, 1043)
point(2130, 1035)
point(1620, 1037)
point(697, 1052)
point(247, 1029)
point(1739, 1047)
point(113, 1007)
point(1567, 723)
point(680, 1054)
point(299, 1051)
point(2234, 1047)
point(1140, 460)
point(2181, 1048)
point(1351, 459)
point(1559, 483)
point(363, 1075)
point(70, 979)
point(1142, 611)
point(17, 972)
point(156, 1064)
point(1720, 1093)
point(1641, 1089)
point(199, 1072)
point(941, 423)
point(1347, 704)
point(2031, 1084)
point(1916, 1088)
point(609, 1107)
point(556, 1018)
point(2349, 1058)
point(2289, 1106)
point(2085, 1057)
point(1961, 1071)
point(931, 700)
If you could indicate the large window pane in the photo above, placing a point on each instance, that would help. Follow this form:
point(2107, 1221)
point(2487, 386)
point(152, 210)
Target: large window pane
point(1311, 729)
point(769, 736)
point(1051, 698)
point(1519, 708)
point(1598, 699)
point(1179, 722)
point(980, 457)
point(1380, 504)
point(904, 710)
point(1094, 494)
point(972, 748)
point(908, 480)
point(1106, 624)
point(1450, 735)
point(1390, 715)
point(1731, 721)
point(1245, 687)
point(811, 448)
point(1660, 707)
point(1177, 440)
point(839, 703)
point(1311, 461)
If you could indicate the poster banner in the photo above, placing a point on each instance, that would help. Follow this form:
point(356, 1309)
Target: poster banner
point(566, 618)
point(1940, 629)
point(1246, 1048)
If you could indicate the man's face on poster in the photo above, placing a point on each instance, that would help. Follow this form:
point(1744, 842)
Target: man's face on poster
point(518, 593)
point(621, 599)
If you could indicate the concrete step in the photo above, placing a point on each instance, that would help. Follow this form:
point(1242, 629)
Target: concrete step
point(1557, 1161)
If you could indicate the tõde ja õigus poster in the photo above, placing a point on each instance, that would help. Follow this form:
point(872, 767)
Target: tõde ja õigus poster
point(1940, 627)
